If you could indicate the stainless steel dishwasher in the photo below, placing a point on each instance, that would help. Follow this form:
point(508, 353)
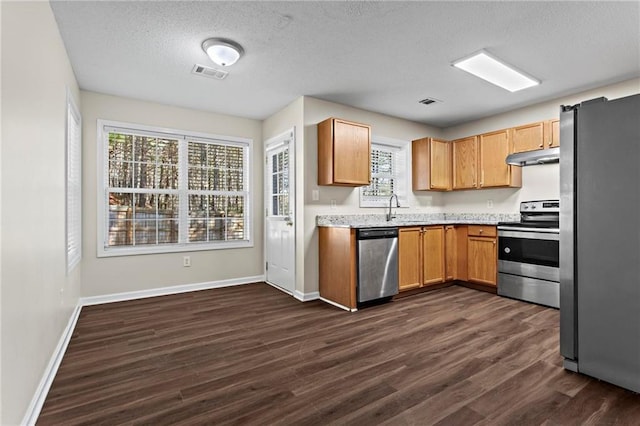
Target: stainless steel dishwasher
point(377, 263)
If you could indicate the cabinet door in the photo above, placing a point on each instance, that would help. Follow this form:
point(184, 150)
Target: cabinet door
point(409, 258)
point(420, 178)
point(554, 140)
point(440, 165)
point(465, 161)
point(483, 260)
point(450, 258)
point(433, 255)
point(337, 265)
point(351, 153)
point(494, 148)
point(528, 138)
point(431, 165)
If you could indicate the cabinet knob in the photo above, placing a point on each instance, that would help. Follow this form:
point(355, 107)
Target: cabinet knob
point(550, 143)
point(482, 230)
point(541, 145)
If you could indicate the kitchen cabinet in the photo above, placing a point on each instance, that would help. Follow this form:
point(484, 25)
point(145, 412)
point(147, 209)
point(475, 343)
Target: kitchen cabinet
point(482, 255)
point(554, 130)
point(493, 148)
point(529, 137)
point(433, 253)
point(536, 136)
point(479, 162)
point(344, 151)
point(455, 252)
point(423, 254)
point(338, 266)
point(465, 163)
point(409, 258)
point(431, 165)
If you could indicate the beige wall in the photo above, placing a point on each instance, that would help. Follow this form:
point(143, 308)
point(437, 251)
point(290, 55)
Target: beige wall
point(38, 296)
point(108, 275)
point(292, 116)
point(538, 182)
point(347, 199)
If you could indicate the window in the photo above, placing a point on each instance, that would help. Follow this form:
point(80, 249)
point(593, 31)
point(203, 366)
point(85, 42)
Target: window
point(73, 184)
point(171, 191)
point(388, 174)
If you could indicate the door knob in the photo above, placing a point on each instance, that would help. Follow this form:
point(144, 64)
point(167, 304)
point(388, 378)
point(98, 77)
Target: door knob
point(288, 221)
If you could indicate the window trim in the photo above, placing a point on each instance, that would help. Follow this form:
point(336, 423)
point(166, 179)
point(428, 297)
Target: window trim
point(403, 178)
point(102, 190)
point(73, 162)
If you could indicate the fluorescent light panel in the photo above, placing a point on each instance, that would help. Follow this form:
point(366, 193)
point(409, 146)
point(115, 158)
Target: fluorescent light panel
point(489, 68)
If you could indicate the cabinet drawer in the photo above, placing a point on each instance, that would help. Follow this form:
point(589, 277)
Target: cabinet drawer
point(482, 231)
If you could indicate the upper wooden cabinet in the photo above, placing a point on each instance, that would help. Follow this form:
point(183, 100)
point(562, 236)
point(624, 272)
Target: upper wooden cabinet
point(493, 148)
point(554, 129)
point(431, 164)
point(535, 136)
point(344, 153)
point(529, 137)
point(465, 163)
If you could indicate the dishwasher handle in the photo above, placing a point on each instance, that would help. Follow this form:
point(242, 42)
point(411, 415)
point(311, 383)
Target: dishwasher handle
point(376, 233)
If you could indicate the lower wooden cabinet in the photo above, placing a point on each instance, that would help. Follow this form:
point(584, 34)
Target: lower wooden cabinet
point(409, 258)
point(427, 256)
point(338, 266)
point(455, 252)
point(421, 257)
point(482, 255)
point(433, 255)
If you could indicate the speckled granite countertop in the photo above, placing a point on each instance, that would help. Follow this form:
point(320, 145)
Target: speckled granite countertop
point(380, 220)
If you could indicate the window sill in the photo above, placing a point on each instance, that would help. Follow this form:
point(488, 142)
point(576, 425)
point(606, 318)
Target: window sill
point(136, 251)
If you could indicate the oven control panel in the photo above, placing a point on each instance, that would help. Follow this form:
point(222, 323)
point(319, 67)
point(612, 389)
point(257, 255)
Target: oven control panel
point(542, 206)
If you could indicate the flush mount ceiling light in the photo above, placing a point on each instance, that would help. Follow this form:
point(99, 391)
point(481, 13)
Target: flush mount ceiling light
point(489, 68)
point(222, 51)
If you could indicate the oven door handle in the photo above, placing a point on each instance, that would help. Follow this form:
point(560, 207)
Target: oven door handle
point(528, 234)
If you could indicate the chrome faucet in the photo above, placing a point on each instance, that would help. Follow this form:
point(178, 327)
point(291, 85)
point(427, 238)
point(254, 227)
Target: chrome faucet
point(389, 215)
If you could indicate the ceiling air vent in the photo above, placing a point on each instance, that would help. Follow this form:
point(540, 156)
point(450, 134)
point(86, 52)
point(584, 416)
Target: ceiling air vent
point(209, 72)
point(428, 101)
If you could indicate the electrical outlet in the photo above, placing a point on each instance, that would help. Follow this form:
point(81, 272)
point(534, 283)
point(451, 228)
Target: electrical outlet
point(186, 261)
point(315, 195)
point(333, 204)
point(489, 204)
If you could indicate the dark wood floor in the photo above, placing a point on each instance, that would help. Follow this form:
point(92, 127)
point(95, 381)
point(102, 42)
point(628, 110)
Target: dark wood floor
point(253, 355)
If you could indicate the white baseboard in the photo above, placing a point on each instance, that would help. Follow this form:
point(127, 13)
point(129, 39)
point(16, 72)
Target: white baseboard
point(33, 411)
point(306, 297)
point(163, 291)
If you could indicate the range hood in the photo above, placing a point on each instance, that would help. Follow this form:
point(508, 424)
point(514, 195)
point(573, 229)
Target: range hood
point(529, 158)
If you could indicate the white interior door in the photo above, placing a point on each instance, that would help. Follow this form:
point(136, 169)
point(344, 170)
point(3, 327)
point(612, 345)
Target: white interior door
point(280, 208)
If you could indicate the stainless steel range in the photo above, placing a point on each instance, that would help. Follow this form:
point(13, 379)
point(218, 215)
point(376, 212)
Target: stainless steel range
point(528, 254)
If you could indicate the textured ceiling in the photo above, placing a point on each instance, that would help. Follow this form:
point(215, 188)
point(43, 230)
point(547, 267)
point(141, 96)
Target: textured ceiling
point(378, 56)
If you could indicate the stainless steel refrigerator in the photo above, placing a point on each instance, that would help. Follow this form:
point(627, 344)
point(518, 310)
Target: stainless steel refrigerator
point(600, 239)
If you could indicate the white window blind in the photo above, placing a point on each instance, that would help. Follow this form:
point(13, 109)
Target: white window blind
point(388, 176)
point(168, 191)
point(73, 185)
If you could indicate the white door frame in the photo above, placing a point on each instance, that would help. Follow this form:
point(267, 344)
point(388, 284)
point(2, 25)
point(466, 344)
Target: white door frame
point(273, 143)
